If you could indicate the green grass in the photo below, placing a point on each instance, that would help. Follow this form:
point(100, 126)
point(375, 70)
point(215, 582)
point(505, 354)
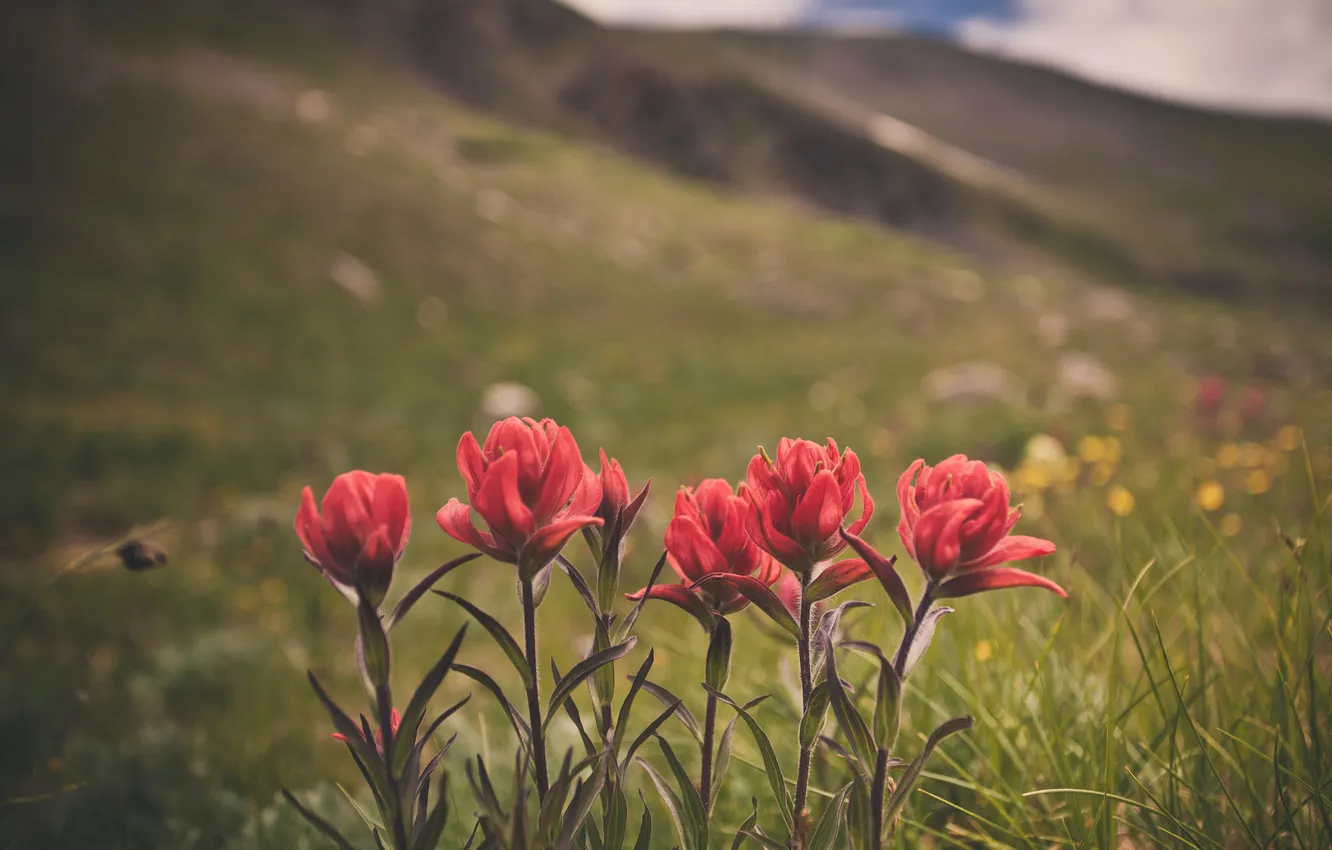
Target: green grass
point(175, 349)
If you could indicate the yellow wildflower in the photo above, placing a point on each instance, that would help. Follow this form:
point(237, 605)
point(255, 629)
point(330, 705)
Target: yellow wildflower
point(1228, 456)
point(984, 649)
point(1289, 438)
point(1257, 482)
point(1231, 525)
point(1210, 495)
point(1119, 500)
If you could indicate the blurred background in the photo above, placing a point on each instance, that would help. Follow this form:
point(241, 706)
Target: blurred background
point(247, 245)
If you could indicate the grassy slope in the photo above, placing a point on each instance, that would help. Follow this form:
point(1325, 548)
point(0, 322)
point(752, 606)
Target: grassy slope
point(174, 348)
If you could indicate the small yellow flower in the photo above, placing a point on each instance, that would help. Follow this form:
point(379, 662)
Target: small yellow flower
point(1119, 500)
point(984, 650)
point(1045, 448)
point(1257, 482)
point(273, 591)
point(1113, 449)
point(1119, 417)
point(1228, 456)
point(1210, 496)
point(1252, 455)
point(1091, 449)
point(1231, 525)
point(1290, 438)
point(1033, 477)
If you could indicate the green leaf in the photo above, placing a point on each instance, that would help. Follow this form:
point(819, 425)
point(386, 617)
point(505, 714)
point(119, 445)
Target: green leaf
point(695, 817)
point(681, 711)
point(758, 835)
point(373, 644)
point(540, 586)
point(416, 707)
point(579, 583)
point(483, 679)
point(581, 671)
point(912, 775)
point(428, 838)
point(826, 631)
point(887, 706)
point(571, 709)
point(816, 711)
point(848, 717)
point(317, 822)
point(771, 766)
point(924, 635)
point(644, 840)
point(674, 806)
point(635, 685)
point(603, 680)
point(743, 832)
point(717, 668)
point(616, 818)
point(648, 732)
point(410, 597)
point(722, 762)
point(824, 836)
point(344, 725)
point(632, 617)
point(499, 633)
point(859, 817)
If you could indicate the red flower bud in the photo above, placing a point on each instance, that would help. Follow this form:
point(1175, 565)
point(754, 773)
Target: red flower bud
point(707, 536)
point(799, 502)
point(531, 488)
point(615, 498)
point(357, 535)
point(955, 524)
point(395, 720)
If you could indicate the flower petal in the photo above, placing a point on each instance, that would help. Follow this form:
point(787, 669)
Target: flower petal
point(500, 503)
point(681, 597)
point(818, 513)
point(310, 530)
point(1016, 548)
point(692, 552)
point(866, 507)
point(346, 516)
point(471, 465)
point(456, 520)
point(757, 592)
point(885, 571)
point(548, 540)
point(837, 577)
point(390, 510)
point(937, 535)
point(993, 579)
point(563, 472)
point(906, 497)
point(374, 567)
point(772, 541)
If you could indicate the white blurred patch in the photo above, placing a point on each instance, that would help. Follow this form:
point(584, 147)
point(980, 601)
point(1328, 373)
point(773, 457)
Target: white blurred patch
point(1082, 375)
point(1262, 55)
point(508, 398)
point(355, 277)
point(977, 380)
point(313, 106)
point(694, 13)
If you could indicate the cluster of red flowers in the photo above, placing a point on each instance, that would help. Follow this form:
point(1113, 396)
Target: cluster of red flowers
point(532, 491)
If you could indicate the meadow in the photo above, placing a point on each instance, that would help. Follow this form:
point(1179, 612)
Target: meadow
point(227, 274)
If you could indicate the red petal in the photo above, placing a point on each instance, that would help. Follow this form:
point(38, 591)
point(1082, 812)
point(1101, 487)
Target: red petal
point(681, 597)
point(818, 513)
point(456, 520)
point(993, 579)
point(500, 503)
point(310, 530)
point(390, 510)
point(346, 516)
point(772, 541)
point(470, 463)
point(757, 592)
point(563, 472)
point(691, 550)
point(1015, 548)
point(761, 476)
point(586, 496)
point(374, 567)
point(906, 497)
point(885, 571)
point(548, 540)
point(938, 545)
point(631, 510)
point(838, 577)
point(866, 507)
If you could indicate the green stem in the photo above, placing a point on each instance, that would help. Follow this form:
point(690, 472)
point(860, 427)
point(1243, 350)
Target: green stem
point(538, 741)
point(806, 688)
point(709, 729)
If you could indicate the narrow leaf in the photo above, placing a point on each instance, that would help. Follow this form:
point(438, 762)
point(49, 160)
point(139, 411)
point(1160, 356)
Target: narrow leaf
point(924, 635)
point(771, 766)
point(912, 775)
point(758, 593)
point(885, 571)
point(483, 679)
point(644, 840)
point(674, 806)
point(416, 707)
point(848, 717)
point(635, 684)
point(317, 822)
point(648, 732)
point(579, 583)
point(498, 632)
point(410, 597)
point(681, 710)
point(824, 836)
point(582, 670)
point(743, 833)
point(887, 706)
point(695, 817)
point(632, 617)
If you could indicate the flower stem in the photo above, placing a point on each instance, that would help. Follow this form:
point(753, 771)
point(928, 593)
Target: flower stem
point(909, 634)
point(806, 688)
point(709, 729)
point(538, 740)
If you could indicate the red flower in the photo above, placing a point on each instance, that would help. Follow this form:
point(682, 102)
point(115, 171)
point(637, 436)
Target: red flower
point(800, 502)
point(707, 536)
point(395, 720)
point(530, 486)
point(615, 499)
point(955, 523)
point(358, 534)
